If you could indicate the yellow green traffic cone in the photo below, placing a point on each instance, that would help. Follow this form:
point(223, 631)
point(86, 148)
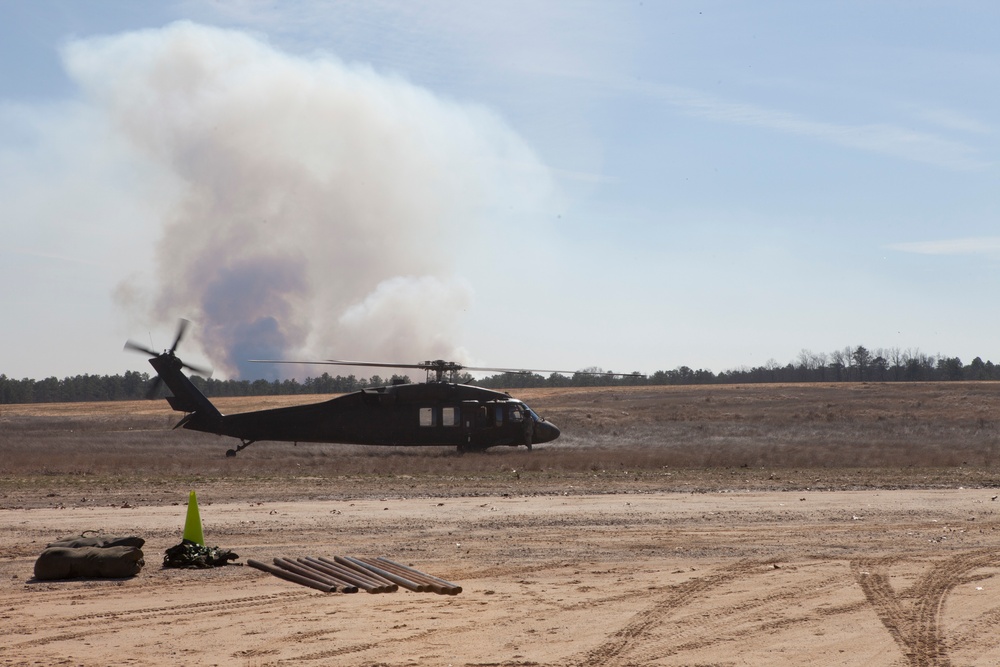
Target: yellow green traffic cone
point(192, 527)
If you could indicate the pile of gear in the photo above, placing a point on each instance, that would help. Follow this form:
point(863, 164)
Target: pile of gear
point(189, 554)
point(92, 556)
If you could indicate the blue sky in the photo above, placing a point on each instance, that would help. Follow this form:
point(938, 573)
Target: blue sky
point(629, 185)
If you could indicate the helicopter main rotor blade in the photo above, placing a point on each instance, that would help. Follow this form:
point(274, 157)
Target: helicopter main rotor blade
point(437, 365)
point(538, 370)
point(377, 364)
point(336, 362)
point(515, 370)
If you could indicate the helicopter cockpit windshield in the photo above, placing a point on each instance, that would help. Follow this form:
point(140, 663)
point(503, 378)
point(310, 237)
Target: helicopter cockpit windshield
point(519, 411)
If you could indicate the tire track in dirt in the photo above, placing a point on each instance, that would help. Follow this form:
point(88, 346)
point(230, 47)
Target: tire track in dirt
point(750, 618)
point(420, 637)
point(913, 617)
point(366, 646)
point(979, 630)
point(508, 571)
point(112, 622)
point(274, 646)
point(623, 647)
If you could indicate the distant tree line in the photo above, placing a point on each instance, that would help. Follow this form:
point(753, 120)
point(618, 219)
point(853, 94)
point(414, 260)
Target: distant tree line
point(851, 364)
point(134, 386)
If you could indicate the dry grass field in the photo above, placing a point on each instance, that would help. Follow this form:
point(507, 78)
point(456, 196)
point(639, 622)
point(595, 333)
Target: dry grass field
point(834, 524)
point(739, 437)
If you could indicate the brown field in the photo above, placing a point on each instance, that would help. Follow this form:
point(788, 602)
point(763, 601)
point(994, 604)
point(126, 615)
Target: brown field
point(835, 524)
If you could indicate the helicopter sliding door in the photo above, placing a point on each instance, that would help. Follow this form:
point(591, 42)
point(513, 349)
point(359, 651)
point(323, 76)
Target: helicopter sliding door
point(491, 423)
point(480, 423)
point(471, 418)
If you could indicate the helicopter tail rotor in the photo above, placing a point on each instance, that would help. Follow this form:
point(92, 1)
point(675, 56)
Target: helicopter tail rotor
point(168, 357)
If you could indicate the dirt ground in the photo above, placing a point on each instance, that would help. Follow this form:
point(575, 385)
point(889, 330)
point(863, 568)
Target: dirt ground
point(563, 560)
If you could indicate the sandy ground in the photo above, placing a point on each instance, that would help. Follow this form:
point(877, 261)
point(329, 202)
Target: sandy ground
point(877, 577)
point(838, 524)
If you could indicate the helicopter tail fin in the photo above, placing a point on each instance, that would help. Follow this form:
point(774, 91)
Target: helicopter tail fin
point(202, 414)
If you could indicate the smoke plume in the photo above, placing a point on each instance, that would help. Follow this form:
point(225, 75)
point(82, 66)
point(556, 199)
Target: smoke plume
point(316, 205)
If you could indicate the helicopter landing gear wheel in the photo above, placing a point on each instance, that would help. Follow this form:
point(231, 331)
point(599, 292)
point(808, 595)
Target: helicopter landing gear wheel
point(243, 444)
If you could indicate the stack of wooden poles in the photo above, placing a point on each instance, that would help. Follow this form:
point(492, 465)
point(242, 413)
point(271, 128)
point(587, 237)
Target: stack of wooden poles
point(346, 574)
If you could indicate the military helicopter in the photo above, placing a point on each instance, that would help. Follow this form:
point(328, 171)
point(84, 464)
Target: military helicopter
point(436, 412)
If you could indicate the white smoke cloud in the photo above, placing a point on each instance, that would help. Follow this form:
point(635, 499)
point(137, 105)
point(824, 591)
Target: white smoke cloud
point(317, 204)
point(427, 309)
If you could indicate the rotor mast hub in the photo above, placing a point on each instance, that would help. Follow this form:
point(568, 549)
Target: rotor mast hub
point(439, 367)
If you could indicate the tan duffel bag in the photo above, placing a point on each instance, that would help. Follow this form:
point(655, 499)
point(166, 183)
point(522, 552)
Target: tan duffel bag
point(90, 562)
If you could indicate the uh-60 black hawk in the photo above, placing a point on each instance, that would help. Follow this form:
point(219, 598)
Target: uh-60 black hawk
point(436, 412)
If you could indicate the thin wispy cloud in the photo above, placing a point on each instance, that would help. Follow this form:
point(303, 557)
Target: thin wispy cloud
point(983, 245)
point(956, 120)
point(53, 256)
point(882, 138)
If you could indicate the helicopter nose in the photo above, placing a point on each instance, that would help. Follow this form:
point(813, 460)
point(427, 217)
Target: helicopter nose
point(545, 432)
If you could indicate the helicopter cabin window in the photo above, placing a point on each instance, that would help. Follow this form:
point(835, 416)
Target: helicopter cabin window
point(515, 413)
point(499, 415)
point(427, 417)
point(449, 416)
